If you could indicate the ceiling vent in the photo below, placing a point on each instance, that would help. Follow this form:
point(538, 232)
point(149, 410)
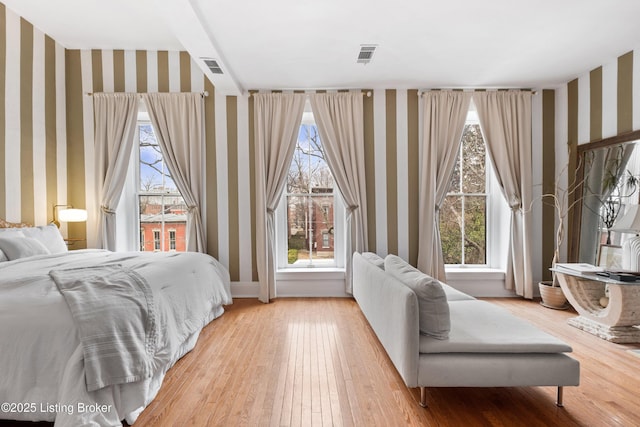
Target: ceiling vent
point(366, 53)
point(213, 65)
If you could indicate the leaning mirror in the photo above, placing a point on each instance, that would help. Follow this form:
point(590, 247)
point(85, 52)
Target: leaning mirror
point(607, 193)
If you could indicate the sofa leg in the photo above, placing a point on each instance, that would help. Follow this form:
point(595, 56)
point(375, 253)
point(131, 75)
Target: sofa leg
point(423, 397)
point(559, 402)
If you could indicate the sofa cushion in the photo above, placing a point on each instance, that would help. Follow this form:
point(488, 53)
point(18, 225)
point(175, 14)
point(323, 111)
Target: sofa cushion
point(374, 259)
point(432, 300)
point(454, 294)
point(482, 327)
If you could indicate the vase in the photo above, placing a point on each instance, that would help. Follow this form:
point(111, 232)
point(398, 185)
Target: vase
point(552, 296)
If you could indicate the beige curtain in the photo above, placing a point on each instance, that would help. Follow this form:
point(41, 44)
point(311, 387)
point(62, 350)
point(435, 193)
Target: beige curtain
point(115, 121)
point(339, 117)
point(178, 122)
point(505, 119)
point(444, 115)
point(277, 118)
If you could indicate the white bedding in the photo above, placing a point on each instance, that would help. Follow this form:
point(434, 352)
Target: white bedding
point(41, 360)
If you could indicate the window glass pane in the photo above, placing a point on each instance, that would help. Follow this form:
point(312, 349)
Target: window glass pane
point(473, 160)
point(463, 215)
point(151, 164)
point(475, 230)
point(163, 213)
point(322, 225)
point(310, 203)
point(451, 229)
point(455, 186)
point(296, 225)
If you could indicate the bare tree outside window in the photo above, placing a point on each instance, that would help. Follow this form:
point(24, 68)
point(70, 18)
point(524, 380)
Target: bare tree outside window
point(463, 213)
point(310, 201)
point(161, 204)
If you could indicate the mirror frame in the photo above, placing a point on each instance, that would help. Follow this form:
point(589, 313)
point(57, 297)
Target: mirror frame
point(575, 213)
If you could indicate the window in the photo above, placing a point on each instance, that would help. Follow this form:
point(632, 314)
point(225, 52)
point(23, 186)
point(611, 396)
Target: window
point(326, 242)
point(156, 240)
point(463, 216)
point(310, 213)
point(172, 240)
point(163, 212)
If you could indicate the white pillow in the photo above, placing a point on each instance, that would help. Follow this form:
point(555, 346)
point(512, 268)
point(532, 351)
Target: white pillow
point(49, 236)
point(20, 247)
point(374, 259)
point(434, 315)
point(11, 232)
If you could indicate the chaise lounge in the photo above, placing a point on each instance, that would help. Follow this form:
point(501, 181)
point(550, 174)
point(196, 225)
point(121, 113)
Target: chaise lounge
point(485, 346)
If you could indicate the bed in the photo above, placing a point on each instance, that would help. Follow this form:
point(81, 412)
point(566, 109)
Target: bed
point(54, 366)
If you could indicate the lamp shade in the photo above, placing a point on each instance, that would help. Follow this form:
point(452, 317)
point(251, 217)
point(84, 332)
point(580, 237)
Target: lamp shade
point(72, 215)
point(630, 221)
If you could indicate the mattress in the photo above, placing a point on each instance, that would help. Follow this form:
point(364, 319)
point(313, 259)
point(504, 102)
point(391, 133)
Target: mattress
point(42, 375)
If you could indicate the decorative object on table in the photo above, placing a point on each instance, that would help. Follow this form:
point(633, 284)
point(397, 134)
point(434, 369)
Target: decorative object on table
point(610, 257)
point(630, 252)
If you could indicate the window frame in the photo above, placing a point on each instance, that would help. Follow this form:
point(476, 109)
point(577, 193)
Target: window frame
point(496, 211)
point(139, 193)
point(338, 223)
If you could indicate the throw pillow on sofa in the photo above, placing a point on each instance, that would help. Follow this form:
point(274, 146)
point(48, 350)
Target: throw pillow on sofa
point(432, 301)
point(374, 259)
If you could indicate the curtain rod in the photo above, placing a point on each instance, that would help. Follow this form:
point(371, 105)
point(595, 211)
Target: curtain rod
point(203, 94)
point(367, 94)
point(422, 91)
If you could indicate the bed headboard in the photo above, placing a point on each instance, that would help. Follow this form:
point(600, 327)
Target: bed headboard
point(6, 224)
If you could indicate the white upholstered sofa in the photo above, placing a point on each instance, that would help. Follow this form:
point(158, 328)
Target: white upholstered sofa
point(485, 345)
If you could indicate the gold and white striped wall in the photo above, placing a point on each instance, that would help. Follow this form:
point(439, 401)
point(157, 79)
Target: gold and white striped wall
point(33, 147)
point(600, 103)
point(46, 138)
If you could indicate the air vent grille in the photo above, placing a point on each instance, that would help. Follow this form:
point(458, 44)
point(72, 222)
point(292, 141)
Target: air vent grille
point(213, 66)
point(366, 53)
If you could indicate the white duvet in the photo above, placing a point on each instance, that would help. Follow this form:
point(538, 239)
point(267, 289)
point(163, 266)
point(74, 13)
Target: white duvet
point(41, 359)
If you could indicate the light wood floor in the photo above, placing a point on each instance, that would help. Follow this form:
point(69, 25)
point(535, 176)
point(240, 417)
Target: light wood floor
point(308, 362)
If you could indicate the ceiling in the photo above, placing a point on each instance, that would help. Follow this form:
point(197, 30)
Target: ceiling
point(313, 44)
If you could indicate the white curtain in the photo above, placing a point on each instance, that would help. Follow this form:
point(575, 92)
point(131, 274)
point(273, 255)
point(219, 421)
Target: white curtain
point(277, 118)
point(505, 119)
point(339, 117)
point(178, 122)
point(115, 121)
point(444, 115)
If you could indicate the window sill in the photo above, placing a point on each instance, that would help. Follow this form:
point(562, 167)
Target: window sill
point(314, 273)
point(474, 273)
point(478, 281)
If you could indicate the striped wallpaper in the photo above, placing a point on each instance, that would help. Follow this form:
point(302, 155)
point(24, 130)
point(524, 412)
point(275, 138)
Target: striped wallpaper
point(32, 122)
point(57, 98)
point(46, 140)
point(600, 103)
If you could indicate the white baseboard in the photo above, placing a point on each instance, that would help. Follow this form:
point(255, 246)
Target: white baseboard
point(296, 286)
point(245, 289)
point(311, 288)
point(477, 284)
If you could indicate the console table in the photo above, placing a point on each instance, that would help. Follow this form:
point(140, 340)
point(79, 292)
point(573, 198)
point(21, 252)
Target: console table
point(618, 322)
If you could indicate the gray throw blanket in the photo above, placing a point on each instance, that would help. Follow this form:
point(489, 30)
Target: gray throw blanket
point(112, 307)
